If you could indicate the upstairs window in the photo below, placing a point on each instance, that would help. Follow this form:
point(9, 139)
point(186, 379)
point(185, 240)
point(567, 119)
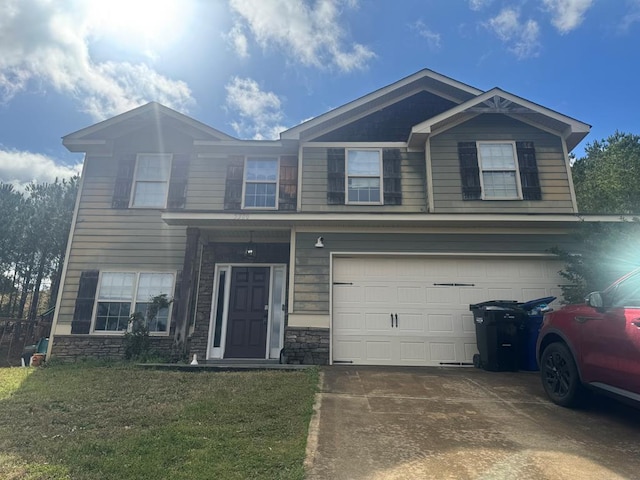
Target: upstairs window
point(499, 171)
point(364, 182)
point(260, 183)
point(151, 180)
point(122, 293)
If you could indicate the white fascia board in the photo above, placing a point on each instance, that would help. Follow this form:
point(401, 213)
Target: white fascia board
point(294, 133)
point(288, 220)
point(79, 145)
point(573, 125)
point(153, 107)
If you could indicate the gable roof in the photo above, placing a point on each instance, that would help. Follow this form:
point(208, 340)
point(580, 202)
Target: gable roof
point(139, 117)
point(499, 101)
point(425, 79)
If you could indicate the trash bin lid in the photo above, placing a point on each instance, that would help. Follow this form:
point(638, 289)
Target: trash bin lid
point(495, 305)
point(531, 304)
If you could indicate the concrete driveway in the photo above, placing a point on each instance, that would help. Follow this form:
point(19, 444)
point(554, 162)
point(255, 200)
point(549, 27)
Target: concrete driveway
point(379, 423)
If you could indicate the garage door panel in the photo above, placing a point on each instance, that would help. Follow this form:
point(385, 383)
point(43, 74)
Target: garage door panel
point(413, 351)
point(378, 350)
point(409, 323)
point(377, 323)
point(348, 349)
point(438, 323)
point(442, 352)
point(380, 294)
point(468, 324)
point(434, 323)
point(348, 294)
point(411, 295)
point(351, 323)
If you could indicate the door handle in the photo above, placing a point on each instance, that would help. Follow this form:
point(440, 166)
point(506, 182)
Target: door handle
point(391, 320)
point(396, 320)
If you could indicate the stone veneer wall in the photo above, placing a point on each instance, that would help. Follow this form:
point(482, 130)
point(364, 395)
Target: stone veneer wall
point(200, 333)
point(73, 347)
point(306, 345)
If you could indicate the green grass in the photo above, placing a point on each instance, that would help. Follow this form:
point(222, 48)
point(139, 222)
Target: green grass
point(121, 422)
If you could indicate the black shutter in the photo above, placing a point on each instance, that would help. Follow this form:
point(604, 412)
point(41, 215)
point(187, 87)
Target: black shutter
point(124, 180)
point(233, 187)
point(81, 323)
point(178, 181)
point(335, 176)
point(288, 195)
point(391, 176)
point(469, 171)
point(528, 171)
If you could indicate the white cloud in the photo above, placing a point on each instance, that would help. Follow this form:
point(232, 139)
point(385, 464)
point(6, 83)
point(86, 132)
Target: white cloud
point(46, 43)
point(310, 32)
point(21, 168)
point(433, 38)
point(479, 4)
point(260, 112)
point(238, 40)
point(633, 16)
point(521, 37)
point(567, 14)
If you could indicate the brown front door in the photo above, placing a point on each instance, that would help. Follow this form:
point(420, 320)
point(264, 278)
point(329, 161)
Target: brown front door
point(248, 313)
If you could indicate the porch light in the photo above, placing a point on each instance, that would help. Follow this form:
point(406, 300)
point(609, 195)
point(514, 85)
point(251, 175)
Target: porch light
point(319, 243)
point(250, 249)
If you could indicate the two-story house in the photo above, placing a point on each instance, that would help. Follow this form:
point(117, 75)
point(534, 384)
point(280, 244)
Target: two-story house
point(359, 236)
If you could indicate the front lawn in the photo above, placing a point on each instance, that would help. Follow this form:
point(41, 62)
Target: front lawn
point(120, 422)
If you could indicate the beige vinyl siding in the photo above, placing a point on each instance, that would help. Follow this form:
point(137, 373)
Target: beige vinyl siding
point(206, 183)
point(447, 186)
point(311, 287)
point(314, 185)
point(116, 239)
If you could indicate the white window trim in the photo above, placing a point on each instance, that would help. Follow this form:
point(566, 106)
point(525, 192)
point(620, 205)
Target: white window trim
point(244, 181)
point(134, 299)
point(346, 176)
point(516, 170)
point(135, 176)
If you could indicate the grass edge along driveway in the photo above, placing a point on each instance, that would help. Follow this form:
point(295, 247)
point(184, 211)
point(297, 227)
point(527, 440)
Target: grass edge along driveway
point(83, 421)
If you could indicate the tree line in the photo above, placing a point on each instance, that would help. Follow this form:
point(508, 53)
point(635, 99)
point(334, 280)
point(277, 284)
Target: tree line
point(34, 229)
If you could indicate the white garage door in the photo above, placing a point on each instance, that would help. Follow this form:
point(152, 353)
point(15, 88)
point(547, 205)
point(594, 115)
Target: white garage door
point(415, 310)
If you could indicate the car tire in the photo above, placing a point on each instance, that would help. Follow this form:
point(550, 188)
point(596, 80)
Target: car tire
point(559, 375)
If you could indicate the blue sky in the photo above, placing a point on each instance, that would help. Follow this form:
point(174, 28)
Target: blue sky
point(252, 68)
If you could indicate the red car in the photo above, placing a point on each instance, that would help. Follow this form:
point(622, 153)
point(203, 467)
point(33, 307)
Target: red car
point(595, 345)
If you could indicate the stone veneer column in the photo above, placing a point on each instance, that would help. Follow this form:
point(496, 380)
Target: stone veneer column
point(306, 345)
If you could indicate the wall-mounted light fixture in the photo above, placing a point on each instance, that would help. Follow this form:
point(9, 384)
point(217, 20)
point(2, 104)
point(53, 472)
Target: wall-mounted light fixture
point(319, 242)
point(250, 249)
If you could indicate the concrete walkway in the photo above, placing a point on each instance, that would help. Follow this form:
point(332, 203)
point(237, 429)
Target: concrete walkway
point(379, 423)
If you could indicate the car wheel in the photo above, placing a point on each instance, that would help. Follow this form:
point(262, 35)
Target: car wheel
point(560, 377)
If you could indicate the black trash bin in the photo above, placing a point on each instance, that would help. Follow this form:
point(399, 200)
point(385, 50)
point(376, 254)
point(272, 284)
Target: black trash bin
point(530, 330)
point(498, 325)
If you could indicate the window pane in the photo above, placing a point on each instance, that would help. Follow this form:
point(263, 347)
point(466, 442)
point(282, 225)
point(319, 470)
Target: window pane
point(153, 284)
point(153, 168)
point(157, 324)
point(112, 316)
point(260, 195)
point(364, 190)
point(150, 194)
point(497, 156)
point(500, 184)
point(363, 162)
point(116, 286)
point(264, 170)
